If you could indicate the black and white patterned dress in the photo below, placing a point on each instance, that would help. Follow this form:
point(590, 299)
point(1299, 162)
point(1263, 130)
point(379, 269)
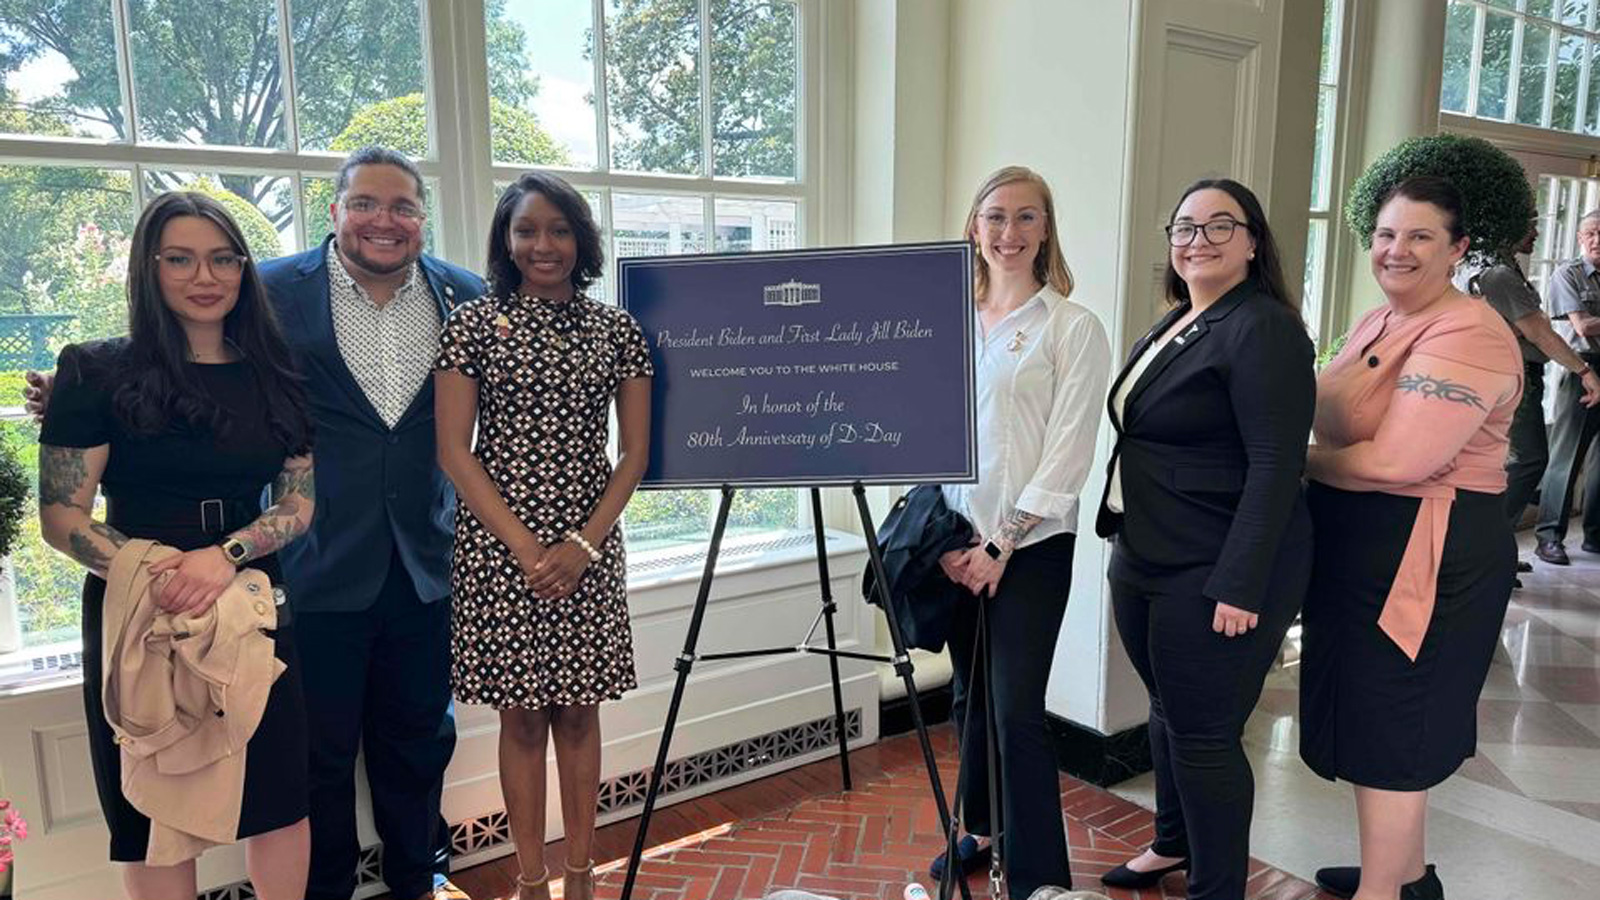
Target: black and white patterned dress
point(547, 373)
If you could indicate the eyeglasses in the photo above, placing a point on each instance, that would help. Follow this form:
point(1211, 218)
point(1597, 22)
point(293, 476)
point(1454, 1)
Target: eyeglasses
point(185, 266)
point(1217, 231)
point(1027, 220)
point(363, 208)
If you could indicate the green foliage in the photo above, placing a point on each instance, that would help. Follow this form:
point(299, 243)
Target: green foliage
point(15, 490)
point(48, 584)
point(259, 234)
point(653, 85)
point(1499, 203)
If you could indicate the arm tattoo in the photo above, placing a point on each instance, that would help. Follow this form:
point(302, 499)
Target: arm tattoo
point(95, 546)
point(281, 523)
point(1440, 388)
point(62, 474)
point(1015, 528)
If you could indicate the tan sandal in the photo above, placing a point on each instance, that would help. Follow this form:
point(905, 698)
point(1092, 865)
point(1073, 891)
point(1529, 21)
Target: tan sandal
point(526, 886)
point(578, 882)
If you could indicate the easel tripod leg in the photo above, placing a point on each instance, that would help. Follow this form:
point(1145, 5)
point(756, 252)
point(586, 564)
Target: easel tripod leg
point(828, 607)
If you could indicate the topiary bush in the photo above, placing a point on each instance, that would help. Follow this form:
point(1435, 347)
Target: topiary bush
point(1499, 203)
point(15, 490)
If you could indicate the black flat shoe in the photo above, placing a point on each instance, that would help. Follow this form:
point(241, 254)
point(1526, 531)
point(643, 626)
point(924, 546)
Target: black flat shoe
point(1342, 881)
point(1124, 877)
point(969, 858)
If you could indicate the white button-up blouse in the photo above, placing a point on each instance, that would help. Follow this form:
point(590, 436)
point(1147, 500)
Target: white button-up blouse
point(1042, 374)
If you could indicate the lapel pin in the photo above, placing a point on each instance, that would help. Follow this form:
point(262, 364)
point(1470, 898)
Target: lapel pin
point(502, 326)
point(1017, 341)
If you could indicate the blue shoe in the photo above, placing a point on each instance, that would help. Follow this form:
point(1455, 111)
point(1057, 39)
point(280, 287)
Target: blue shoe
point(970, 857)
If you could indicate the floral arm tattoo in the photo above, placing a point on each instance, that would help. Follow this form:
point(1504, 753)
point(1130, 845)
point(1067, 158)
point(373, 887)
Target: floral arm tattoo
point(293, 496)
point(1015, 527)
point(65, 487)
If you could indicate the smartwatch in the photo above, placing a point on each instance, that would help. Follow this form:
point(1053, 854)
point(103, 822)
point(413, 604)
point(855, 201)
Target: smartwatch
point(237, 553)
point(993, 550)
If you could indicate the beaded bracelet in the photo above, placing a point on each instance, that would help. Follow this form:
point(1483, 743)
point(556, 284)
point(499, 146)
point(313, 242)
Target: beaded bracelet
point(576, 538)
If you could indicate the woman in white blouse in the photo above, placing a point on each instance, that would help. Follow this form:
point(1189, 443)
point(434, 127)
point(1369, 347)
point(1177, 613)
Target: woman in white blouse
point(1042, 365)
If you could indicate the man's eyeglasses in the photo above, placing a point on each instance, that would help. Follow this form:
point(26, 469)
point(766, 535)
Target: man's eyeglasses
point(364, 208)
point(1217, 231)
point(185, 266)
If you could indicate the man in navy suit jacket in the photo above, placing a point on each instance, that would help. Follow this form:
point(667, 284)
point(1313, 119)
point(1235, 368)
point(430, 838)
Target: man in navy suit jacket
point(370, 580)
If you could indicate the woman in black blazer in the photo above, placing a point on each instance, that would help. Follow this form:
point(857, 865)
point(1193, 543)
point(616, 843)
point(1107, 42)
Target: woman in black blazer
point(1212, 549)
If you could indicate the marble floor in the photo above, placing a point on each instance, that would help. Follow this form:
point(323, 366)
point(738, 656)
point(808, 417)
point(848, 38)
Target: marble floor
point(1521, 819)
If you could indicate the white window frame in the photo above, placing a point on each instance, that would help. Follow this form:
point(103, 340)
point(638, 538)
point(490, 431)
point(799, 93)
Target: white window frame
point(1330, 214)
point(458, 167)
point(1589, 31)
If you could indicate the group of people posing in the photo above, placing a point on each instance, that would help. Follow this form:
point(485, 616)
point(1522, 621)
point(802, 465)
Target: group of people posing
point(1244, 489)
point(415, 384)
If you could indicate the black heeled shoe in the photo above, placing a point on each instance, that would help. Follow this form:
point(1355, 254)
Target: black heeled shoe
point(1342, 881)
point(1124, 877)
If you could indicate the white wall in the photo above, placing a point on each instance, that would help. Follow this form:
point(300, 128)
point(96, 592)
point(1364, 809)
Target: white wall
point(1045, 84)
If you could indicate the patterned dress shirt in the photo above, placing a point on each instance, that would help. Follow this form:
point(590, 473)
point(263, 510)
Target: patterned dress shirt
point(389, 349)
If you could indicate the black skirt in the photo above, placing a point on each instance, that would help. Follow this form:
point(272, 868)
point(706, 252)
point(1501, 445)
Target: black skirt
point(275, 774)
point(1368, 714)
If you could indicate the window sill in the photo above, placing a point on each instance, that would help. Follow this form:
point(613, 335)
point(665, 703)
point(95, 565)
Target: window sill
point(22, 674)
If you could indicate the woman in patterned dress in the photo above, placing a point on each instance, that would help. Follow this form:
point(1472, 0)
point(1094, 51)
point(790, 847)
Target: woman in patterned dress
point(540, 618)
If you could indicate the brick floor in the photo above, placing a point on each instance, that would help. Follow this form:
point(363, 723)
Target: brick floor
point(800, 829)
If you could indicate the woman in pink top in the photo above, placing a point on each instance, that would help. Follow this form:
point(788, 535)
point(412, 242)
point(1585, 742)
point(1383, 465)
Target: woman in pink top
point(1414, 557)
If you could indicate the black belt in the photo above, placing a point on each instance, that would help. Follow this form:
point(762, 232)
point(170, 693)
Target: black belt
point(212, 516)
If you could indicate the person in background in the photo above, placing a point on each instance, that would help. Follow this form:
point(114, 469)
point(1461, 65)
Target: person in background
point(526, 377)
point(1042, 363)
point(1212, 540)
point(1506, 288)
point(1573, 292)
point(181, 425)
point(1414, 556)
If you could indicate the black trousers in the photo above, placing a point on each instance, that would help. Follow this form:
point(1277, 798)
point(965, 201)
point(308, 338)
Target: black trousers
point(1024, 619)
point(1202, 687)
point(1574, 430)
point(1529, 453)
point(378, 680)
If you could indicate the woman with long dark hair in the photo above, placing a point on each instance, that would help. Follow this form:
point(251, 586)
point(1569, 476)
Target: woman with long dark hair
point(181, 425)
point(1212, 538)
point(540, 615)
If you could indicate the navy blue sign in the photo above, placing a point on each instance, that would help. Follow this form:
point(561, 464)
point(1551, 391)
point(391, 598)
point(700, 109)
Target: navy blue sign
point(809, 367)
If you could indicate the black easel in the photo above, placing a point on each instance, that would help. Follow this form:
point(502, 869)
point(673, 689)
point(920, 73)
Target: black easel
point(686, 660)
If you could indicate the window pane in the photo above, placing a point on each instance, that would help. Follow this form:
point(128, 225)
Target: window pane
point(656, 226)
point(1569, 70)
point(1457, 57)
point(1322, 153)
point(63, 261)
point(541, 82)
point(653, 85)
point(207, 72)
point(1503, 4)
point(59, 66)
point(260, 205)
point(1535, 63)
point(1495, 70)
point(1542, 8)
point(656, 519)
point(769, 510)
point(1591, 119)
point(754, 44)
point(63, 252)
point(1316, 261)
point(1575, 12)
point(1331, 10)
point(358, 75)
point(601, 290)
point(755, 225)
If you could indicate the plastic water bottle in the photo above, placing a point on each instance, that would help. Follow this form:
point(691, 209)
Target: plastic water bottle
point(915, 891)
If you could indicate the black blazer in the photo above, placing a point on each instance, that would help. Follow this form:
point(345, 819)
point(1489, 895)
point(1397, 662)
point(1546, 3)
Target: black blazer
point(1213, 445)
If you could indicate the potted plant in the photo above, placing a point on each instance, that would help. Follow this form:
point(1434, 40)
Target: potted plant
point(15, 492)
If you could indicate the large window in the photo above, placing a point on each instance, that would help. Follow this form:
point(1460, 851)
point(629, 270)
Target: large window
point(680, 120)
point(1527, 62)
point(1320, 224)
